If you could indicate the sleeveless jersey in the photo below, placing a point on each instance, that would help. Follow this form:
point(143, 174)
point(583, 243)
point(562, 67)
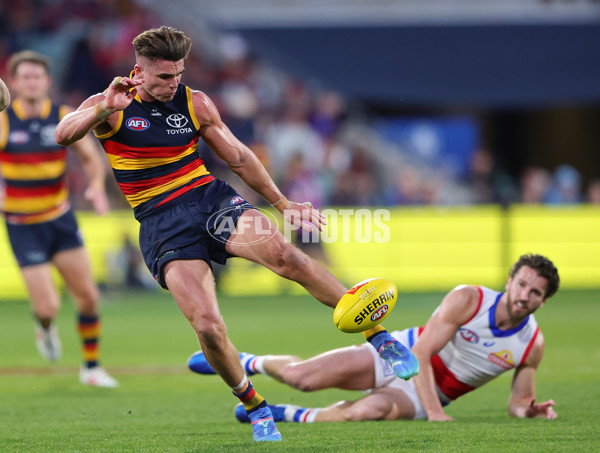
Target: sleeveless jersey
point(480, 351)
point(153, 151)
point(32, 164)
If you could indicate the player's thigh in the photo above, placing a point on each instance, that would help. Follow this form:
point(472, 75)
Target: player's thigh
point(41, 288)
point(257, 239)
point(383, 403)
point(191, 284)
point(74, 266)
point(349, 368)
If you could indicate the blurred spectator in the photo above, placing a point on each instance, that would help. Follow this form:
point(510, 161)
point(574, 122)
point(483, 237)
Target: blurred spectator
point(565, 186)
point(487, 182)
point(534, 185)
point(593, 192)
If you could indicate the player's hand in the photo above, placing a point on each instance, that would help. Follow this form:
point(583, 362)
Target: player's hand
point(441, 417)
point(120, 93)
point(98, 199)
point(544, 409)
point(304, 216)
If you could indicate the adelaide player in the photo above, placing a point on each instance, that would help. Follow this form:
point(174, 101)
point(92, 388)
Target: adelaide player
point(149, 125)
point(41, 226)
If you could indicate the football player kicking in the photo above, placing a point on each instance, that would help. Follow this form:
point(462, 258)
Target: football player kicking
point(150, 125)
point(473, 336)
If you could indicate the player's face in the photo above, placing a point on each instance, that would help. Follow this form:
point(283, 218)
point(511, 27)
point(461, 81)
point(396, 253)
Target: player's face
point(31, 82)
point(525, 293)
point(161, 77)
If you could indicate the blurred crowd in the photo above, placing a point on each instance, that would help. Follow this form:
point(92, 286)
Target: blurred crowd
point(318, 146)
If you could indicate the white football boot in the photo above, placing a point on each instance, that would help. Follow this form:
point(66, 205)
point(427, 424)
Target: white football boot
point(97, 376)
point(47, 342)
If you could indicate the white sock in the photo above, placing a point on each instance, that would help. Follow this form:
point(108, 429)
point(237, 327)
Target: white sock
point(300, 414)
point(254, 363)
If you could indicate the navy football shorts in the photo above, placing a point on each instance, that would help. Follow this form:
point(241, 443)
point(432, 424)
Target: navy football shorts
point(37, 243)
point(195, 225)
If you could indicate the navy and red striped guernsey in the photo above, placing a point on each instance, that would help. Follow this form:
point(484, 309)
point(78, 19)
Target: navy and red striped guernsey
point(153, 151)
point(32, 164)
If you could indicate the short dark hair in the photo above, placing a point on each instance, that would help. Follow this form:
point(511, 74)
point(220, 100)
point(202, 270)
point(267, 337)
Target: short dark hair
point(165, 43)
point(544, 268)
point(27, 56)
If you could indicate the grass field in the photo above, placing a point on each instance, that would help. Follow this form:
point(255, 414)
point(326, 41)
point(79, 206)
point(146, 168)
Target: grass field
point(161, 407)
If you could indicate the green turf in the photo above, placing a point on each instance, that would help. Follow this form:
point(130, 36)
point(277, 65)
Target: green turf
point(161, 407)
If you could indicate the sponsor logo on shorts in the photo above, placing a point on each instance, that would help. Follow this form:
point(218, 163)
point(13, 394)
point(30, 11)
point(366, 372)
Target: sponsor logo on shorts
point(503, 359)
point(237, 200)
point(137, 124)
point(468, 335)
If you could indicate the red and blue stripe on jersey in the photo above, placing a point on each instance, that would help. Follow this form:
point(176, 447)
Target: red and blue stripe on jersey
point(32, 164)
point(153, 150)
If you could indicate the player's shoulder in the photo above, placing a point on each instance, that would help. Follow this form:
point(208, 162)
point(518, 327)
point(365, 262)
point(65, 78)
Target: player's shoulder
point(466, 293)
point(204, 108)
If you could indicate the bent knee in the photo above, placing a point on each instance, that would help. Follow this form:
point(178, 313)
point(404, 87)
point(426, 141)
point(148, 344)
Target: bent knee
point(292, 263)
point(211, 331)
point(298, 377)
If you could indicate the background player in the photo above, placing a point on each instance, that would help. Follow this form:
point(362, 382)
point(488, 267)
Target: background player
point(473, 336)
point(39, 220)
point(149, 125)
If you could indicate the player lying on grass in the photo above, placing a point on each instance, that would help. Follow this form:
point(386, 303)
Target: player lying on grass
point(473, 336)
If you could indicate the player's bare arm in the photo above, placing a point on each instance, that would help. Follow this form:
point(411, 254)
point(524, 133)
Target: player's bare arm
point(244, 163)
point(522, 397)
point(456, 309)
point(97, 110)
point(89, 152)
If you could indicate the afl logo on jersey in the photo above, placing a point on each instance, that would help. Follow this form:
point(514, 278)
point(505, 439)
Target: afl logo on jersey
point(137, 124)
point(469, 335)
point(236, 200)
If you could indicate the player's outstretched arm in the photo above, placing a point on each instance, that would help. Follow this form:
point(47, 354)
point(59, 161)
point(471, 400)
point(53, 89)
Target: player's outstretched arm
point(244, 163)
point(522, 397)
point(96, 110)
point(456, 309)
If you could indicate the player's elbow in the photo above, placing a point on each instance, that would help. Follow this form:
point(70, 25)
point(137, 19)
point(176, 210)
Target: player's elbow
point(62, 138)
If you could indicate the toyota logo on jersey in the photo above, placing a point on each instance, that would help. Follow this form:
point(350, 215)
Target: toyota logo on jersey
point(137, 124)
point(177, 120)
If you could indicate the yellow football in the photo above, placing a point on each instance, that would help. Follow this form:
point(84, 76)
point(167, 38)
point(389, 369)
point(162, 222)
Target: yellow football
point(4, 95)
point(365, 305)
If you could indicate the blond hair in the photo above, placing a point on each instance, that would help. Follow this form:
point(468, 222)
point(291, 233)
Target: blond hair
point(27, 56)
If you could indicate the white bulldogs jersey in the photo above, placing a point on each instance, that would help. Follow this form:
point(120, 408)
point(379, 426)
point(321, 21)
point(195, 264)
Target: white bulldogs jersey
point(479, 351)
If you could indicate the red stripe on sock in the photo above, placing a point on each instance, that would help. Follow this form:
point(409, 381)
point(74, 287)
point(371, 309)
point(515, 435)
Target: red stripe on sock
point(248, 397)
point(305, 416)
point(251, 364)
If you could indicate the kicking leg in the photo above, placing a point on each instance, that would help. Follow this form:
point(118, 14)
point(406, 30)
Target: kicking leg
point(283, 258)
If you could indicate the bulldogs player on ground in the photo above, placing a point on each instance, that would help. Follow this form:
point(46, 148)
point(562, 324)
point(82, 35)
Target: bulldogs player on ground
point(473, 336)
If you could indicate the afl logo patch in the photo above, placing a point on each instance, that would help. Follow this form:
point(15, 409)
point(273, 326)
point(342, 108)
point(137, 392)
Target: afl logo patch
point(468, 335)
point(137, 124)
point(236, 200)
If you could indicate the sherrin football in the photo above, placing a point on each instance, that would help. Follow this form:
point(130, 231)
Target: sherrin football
point(365, 305)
